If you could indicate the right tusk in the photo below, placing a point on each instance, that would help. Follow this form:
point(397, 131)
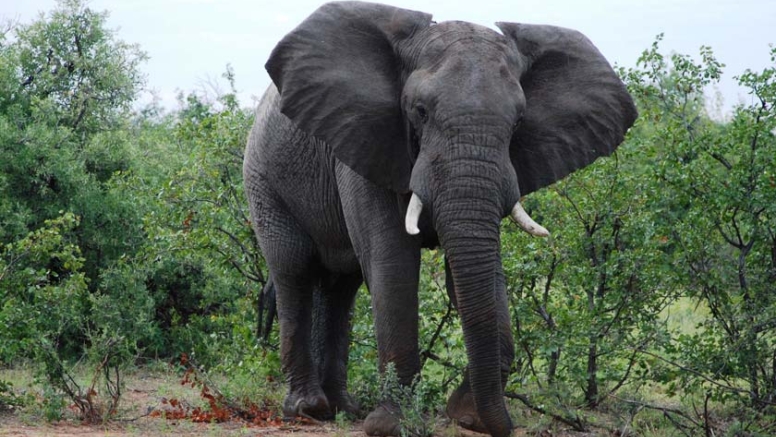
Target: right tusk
point(525, 221)
point(413, 214)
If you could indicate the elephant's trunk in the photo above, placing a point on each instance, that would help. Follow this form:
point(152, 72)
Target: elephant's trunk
point(467, 212)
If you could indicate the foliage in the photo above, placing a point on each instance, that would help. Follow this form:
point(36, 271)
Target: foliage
point(209, 212)
point(42, 290)
point(411, 401)
point(588, 301)
point(721, 219)
point(68, 85)
point(41, 305)
point(684, 208)
point(10, 400)
point(200, 257)
point(100, 258)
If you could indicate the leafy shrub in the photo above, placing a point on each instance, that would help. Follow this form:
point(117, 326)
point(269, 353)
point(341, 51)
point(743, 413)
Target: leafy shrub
point(416, 413)
point(10, 400)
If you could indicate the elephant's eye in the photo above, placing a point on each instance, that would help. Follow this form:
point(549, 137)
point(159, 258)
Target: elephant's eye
point(517, 124)
point(422, 113)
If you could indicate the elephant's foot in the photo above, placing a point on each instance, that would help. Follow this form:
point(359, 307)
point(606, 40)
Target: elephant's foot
point(341, 400)
point(383, 421)
point(461, 408)
point(307, 403)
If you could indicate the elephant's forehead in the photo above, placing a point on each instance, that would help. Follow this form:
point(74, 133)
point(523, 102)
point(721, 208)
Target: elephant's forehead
point(452, 36)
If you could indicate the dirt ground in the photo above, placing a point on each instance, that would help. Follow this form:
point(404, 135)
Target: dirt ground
point(144, 395)
point(12, 426)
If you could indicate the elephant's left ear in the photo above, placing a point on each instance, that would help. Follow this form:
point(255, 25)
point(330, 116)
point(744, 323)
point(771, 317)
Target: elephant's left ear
point(577, 108)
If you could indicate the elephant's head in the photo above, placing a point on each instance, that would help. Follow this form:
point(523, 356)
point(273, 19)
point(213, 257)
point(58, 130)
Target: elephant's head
point(466, 118)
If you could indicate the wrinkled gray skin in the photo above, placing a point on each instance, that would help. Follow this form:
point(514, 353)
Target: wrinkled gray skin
point(372, 103)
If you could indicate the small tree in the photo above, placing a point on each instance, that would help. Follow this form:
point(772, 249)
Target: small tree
point(67, 86)
point(200, 263)
point(588, 300)
point(719, 212)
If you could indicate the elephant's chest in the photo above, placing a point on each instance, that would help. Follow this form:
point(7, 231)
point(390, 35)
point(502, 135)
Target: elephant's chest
point(339, 260)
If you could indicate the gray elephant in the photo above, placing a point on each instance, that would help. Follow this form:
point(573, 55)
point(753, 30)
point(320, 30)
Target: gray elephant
point(385, 132)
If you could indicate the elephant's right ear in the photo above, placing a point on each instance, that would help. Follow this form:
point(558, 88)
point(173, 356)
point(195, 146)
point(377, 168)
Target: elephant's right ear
point(339, 79)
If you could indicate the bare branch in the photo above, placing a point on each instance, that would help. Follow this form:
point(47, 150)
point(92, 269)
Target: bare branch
point(428, 351)
point(631, 363)
point(579, 214)
point(575, 422)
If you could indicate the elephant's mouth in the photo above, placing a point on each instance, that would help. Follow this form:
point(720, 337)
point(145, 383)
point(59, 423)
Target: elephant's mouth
point(518, 215)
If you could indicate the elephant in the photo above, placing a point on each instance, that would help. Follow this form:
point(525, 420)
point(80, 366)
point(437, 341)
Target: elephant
point(383, 133)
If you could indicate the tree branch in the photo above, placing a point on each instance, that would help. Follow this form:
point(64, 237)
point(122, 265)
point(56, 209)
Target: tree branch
point(721, 159)
point(696, 373)
point(427, 353)
point(667, 413)
point(575, 422)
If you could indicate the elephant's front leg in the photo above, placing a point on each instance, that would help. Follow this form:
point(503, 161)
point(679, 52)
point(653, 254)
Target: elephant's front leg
point(390, 261)
point(394, 290)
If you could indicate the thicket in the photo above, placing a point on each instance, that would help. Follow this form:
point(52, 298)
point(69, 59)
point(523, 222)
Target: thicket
point(125, 238)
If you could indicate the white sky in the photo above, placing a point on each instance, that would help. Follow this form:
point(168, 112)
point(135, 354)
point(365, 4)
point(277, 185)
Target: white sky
point(191, 41)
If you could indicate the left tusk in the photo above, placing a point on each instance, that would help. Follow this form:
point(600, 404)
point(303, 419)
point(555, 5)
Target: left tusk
point(413, 214)
point(525, 221)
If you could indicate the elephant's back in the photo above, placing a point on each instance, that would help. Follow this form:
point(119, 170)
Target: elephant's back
point(271, 133)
